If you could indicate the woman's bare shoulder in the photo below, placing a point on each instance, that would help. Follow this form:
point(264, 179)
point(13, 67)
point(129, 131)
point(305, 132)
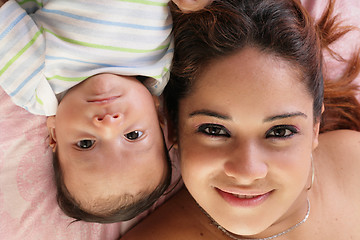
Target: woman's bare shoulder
point(339, 153)
point(341, 143)
point(178, 218)
point(337, 165)
point(159, 224)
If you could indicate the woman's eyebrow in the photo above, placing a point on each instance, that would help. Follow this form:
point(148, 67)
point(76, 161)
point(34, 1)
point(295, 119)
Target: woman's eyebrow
point(285, 115)
point(205, 112)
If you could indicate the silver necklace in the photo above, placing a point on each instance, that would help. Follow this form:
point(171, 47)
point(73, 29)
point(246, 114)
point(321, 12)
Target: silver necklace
point(267, 238)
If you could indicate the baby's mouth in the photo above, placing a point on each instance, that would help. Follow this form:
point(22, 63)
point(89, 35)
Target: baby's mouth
point(103, 99)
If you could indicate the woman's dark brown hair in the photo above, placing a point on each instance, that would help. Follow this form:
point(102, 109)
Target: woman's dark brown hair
point(282, 28)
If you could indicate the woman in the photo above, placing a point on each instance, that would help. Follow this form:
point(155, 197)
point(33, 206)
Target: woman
point(246, 98)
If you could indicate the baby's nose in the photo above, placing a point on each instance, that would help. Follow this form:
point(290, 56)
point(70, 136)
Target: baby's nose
point(107, 119)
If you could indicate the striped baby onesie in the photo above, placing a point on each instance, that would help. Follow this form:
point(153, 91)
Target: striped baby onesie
point(48, 47)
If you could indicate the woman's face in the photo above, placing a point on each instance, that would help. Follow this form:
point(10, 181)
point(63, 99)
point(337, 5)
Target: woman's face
point(246, 134)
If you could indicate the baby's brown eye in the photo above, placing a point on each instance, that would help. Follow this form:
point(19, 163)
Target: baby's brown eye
point(85, 144)
point(133, 135)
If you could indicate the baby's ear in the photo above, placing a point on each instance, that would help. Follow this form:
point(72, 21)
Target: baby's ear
point(166, 124)
point(50, 123)
point(172, 136)
point(159, 110)
point(171, 128)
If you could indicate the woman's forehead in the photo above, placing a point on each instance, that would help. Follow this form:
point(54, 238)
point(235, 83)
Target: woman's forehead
point(247, 67)
point(248, 80)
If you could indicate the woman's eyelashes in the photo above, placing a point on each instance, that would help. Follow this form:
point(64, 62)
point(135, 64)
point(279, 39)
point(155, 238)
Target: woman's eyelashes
point(214, 130)
point(276, 132)
point(281, 131)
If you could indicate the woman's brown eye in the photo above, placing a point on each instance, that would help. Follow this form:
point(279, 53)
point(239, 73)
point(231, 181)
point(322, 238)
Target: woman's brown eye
point(214, 130)
point(282, 131)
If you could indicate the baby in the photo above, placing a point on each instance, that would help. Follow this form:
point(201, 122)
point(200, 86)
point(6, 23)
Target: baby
point(110, 157)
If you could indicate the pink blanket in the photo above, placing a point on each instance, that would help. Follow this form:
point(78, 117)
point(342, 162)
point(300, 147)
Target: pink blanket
point(28, 208)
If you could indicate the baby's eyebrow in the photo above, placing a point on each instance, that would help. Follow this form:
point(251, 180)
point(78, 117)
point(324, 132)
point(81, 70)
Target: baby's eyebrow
point(205, 112)
point(285, 115)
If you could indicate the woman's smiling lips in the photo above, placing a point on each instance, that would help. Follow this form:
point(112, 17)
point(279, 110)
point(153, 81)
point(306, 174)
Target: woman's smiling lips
point(244, 199)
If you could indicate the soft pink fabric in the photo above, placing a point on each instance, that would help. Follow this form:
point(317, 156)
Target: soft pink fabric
point(28, 208)
point(348, 12)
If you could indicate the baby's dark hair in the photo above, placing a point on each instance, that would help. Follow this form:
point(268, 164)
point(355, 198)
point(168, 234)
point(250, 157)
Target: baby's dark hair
point(113, 209)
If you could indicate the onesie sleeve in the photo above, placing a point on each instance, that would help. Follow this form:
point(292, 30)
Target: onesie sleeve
point(30, 6)
point(22, 57)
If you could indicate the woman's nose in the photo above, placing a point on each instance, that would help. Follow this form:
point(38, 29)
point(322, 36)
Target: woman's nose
point(246, 164)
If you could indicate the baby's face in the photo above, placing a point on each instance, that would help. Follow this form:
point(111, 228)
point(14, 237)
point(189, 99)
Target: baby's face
point(108, 138)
